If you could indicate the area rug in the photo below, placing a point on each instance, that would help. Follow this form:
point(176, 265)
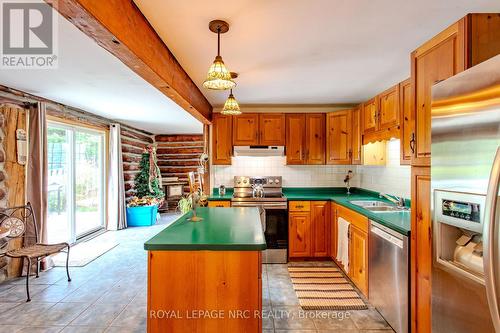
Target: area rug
point(324, 288)
point(84, 253)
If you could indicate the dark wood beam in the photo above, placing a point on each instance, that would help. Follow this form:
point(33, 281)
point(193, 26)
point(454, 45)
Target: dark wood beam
point(121, 28)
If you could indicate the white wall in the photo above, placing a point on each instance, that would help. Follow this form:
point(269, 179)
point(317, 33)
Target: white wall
point(393, 178)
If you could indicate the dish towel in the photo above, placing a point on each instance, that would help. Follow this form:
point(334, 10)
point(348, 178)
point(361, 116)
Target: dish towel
point(343, 242)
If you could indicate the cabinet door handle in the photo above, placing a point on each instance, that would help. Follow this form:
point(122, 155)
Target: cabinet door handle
point(299, 206)
point(412, 143)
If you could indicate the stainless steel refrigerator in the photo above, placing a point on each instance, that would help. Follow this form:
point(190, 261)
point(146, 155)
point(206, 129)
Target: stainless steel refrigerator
point(465, 172)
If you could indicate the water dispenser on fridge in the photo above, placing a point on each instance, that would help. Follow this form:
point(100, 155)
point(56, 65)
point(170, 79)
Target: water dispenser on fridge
point(458, 233)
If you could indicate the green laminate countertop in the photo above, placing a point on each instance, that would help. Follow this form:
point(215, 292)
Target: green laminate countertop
point(397, 221)
point(222, 229)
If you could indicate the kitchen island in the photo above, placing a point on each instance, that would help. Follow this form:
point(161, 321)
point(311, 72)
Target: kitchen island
point(206, 276)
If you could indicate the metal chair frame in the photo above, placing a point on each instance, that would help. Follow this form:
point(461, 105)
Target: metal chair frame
point(25, 213)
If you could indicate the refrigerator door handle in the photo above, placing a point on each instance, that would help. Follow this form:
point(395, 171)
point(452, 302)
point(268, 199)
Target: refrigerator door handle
point(491, 242)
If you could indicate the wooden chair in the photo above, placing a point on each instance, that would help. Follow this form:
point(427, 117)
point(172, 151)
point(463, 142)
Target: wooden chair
point(18, 220)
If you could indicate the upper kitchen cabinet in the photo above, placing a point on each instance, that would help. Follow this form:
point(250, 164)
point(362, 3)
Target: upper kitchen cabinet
point(388, 111)
point(295, 138)
point(222, 131)
point(272, 129)
point(471, 40)
point(315, 138)
point(305, 138)
point(356, 140)
point(246, 129)
point(381, 116)
point(266, 129)
point(338, 137)
point(369, 116)
point(406, 119)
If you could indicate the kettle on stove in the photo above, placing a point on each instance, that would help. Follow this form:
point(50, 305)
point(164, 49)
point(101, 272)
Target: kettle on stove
point(257, 191)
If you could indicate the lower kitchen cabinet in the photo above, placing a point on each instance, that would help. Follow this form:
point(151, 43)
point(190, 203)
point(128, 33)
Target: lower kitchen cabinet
point(421, 249)
point(320, 221)
point(309, 227)
point(299, 234)
point(358, 259)
point(333, 231)
point(221, 203)
point(358, 246)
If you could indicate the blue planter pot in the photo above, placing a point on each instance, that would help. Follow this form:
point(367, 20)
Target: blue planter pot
point(141, 216)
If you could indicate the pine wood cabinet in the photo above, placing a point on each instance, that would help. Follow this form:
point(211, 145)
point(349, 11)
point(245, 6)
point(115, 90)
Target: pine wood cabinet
point(358, 246)
point(272, 129)
point(305, 138)
point(219, 203)
point(437, 60)
point(472, 40)
point(222, 147)
point(388, 113)
point(295, 138)
point(370, 112)
point(358, 258)
point(266, 129)
point(299, 234)
point(320, 220)
point(315, 138)
point(406, 118)
point(356, 138)
point(246, 129)
point(421, 249)
point(333, 231)
point(339, 129)
point(309, 229)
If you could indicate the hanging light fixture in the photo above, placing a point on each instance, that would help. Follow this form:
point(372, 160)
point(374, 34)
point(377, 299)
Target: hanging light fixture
point(218, 77)
point(231, 106)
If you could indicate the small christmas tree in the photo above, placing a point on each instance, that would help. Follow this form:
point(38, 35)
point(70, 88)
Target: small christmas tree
point(148, 180)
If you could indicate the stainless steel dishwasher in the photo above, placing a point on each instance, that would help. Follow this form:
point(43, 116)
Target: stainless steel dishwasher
point(388, 278)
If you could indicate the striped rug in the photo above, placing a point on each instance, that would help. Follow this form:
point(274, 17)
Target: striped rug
point(324, 288)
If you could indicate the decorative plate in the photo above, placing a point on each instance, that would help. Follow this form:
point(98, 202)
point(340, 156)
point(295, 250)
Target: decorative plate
point(15, 225)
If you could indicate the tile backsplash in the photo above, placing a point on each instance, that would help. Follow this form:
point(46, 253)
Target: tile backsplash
point(392, 178)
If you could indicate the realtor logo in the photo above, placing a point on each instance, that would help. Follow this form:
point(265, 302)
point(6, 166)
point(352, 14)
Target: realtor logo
point(28, 34)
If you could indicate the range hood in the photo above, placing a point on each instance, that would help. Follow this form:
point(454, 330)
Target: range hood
point(259, 151)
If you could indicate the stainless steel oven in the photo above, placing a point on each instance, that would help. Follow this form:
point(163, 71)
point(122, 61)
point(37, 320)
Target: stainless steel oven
point(273, 211)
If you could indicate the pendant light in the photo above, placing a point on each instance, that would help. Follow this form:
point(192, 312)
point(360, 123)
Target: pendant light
point(231, 106)
point(218, 77)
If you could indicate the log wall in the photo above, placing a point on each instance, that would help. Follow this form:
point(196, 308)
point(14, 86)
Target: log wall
point(12, 175)
point(177, 155)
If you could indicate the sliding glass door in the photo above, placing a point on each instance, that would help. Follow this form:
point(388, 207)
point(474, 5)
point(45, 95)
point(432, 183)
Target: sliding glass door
point(76, 173)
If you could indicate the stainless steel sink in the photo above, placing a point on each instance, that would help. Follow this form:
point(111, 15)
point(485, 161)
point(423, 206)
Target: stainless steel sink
point(379, 206)
point(370, 203)
point(384, 209)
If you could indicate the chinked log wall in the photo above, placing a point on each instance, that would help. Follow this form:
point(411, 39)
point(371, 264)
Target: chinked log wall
point(178, 155)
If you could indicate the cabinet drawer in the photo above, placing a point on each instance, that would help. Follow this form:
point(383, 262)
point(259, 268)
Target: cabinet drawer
point(225, 203)
point(299, 206)
point(356, 219)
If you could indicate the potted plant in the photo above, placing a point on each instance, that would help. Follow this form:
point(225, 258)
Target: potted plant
point(142, 210)
point(195, 198)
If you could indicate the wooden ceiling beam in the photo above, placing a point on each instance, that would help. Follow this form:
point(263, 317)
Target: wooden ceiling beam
point(120, 27)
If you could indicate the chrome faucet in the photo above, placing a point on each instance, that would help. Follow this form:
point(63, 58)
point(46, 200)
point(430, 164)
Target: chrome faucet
point(399, 201)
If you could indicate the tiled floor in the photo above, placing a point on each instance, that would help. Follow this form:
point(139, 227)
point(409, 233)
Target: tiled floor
point(109, 295)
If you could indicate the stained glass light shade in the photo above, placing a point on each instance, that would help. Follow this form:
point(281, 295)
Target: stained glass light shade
point(231, 106)
point(218, 77)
